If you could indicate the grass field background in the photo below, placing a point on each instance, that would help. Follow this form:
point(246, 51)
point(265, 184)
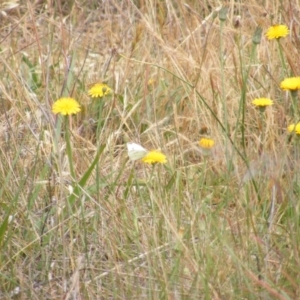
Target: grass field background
point(79, 220)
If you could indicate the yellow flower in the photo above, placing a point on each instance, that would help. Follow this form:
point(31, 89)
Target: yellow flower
point(262, 102)
point(206, 145)
point(151, 81)
point(66, 106)
point(290, 84)
point(294, 128)
point(153, 157)
point(277, 31)
point(99, 90)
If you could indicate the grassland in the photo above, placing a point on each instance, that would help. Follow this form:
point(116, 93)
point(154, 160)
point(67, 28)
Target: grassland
point(79, 220)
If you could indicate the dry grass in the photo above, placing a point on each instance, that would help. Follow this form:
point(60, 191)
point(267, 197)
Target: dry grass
point(218, 227)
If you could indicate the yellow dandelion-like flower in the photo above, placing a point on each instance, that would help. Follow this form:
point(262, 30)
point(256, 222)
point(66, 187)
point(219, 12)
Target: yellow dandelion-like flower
point(262, 102)
point(206, 145)
point(294, 128)
point(153, 157)
point(151, 81)
point(99, 90)
point(290, 84)
point(277, 32)
point(66, 106)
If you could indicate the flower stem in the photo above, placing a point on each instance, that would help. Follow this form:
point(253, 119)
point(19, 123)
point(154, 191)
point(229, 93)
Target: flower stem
point(69, 148)
point(294, 95)
point(281, 58)
point(99, 109)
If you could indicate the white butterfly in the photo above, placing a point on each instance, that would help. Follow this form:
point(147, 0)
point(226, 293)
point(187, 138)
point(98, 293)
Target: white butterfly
point(136, 151)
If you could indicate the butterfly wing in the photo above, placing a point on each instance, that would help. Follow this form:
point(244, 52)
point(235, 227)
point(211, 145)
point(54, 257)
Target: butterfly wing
point(136, 151)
